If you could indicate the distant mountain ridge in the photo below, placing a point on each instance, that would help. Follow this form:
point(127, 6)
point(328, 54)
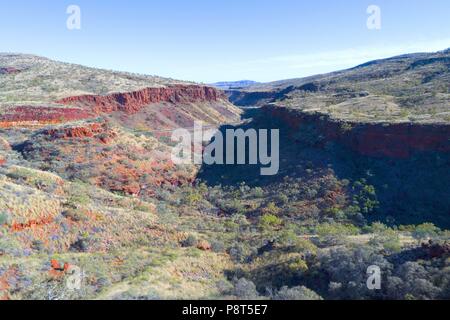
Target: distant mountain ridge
point(412, 87)
point(227, 85)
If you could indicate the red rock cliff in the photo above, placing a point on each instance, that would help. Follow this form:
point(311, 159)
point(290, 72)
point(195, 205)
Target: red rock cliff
point(132, 102)
point(40, 115)
point(396, 140)
point(92, 130)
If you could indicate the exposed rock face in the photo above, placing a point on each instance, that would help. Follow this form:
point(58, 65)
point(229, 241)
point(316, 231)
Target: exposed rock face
point(396, 140)
point(17, 227)
point(91, 130)
point(132, 102)
point(163, 107)
point(57, 269)
point(33, 116)
point(9, 70)
point(204, 245)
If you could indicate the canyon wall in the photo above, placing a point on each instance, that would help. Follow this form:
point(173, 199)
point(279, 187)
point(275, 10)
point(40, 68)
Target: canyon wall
point(38, 115)
point(90, 106)
point(395, 140)
point(245, 99)
point(132, 102)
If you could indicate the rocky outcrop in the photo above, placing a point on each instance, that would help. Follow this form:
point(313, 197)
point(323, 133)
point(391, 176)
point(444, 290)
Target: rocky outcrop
point(132, 102)
point(394, 140)
point(40, 115)
point(204, 245)
point(97, 130)
point(9, 70)
point(17, 227)
point(57, 269)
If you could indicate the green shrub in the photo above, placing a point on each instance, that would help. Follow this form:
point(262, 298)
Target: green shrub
point(232, 206)
point(257, 192)
point(74, 215)
point(377, 227)
point(190, 241)
point(245, 289)
point(425, 230)
point(5, 218)
point(271, 209)
point(333, 233)
point(217, 246)
point(392, 244)
point(38, 245)
point(193, 198)
point(296, 293)
point(365, 195)
point(240, 251)
point(282, 199)
point(305, 246)
point(387, 238)
point(326, 229)
point(269, 221)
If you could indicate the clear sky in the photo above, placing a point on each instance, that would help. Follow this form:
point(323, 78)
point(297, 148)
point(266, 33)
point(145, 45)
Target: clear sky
point(218, 40)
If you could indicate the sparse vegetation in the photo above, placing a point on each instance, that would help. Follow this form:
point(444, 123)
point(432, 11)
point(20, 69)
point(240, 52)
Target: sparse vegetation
point(102, 194)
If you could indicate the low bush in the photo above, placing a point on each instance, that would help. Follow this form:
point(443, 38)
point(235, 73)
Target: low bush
point(296, 293)
point(245, 289)
point(190, 241)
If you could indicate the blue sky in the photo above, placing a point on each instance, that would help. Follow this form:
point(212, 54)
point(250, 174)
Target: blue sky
point(218, 40)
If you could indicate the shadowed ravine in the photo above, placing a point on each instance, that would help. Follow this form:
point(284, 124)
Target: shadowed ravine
point(410, 191)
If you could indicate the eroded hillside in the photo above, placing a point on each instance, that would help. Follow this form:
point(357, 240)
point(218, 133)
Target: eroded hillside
point(87, 181)
point(84, 162)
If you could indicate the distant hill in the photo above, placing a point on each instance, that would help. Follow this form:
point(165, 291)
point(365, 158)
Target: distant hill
point(227, 85)
point(413, 87)
point(30, 78)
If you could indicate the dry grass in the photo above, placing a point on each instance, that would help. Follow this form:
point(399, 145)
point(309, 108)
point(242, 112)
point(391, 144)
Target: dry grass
point(25, 203)
point(176, 274)
point(41, 80)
